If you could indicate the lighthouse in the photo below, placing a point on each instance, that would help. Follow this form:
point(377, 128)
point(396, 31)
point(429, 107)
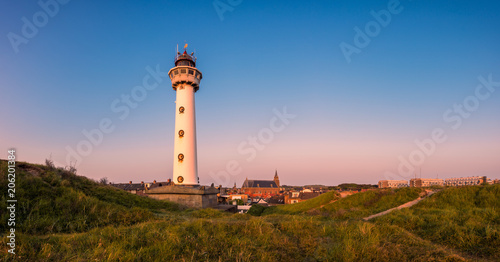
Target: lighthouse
point(186, 189)
point(185, 79)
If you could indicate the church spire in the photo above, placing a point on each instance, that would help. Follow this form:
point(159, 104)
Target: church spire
point(276, 178)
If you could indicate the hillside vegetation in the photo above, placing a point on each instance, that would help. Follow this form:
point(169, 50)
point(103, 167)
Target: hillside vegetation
point(301, 207)
point(465, 218)
point(370, 202)
point(53, 200)
point(64, 217)
point(237, 238)
point(354, 206)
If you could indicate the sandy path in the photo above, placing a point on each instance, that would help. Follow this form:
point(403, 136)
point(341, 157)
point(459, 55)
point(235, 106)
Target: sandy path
point(405, 205)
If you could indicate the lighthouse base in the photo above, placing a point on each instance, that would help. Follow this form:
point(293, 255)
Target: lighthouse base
point(190, 196)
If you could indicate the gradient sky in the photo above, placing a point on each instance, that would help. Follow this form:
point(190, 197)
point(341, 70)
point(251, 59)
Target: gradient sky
point(354, 121)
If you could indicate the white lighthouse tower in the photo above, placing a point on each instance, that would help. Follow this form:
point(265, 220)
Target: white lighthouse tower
point(186, 190)
point(185, 81)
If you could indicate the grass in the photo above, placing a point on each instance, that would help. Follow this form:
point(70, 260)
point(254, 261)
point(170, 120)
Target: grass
point(301, 207)
point(463, 218)
point(64, 217)
point(370, 202)
point(53, 200)
point(235, 238)
point(351, 207)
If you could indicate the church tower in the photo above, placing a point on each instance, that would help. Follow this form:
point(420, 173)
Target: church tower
point(276, 178)
point(185, 79)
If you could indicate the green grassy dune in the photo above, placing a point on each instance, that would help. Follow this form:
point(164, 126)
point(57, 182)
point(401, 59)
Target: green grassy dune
point(64, 217)
point(52, 200)
point(305, 206)
point(465, 219)
point(370, 202)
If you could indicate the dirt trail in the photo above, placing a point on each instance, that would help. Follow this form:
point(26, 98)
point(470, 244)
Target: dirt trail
point(405, 205)
point(342, 195)
point(460, 254)
point(326, 204)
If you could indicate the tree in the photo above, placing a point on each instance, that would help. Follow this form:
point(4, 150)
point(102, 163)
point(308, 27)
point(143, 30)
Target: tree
point(104, 181)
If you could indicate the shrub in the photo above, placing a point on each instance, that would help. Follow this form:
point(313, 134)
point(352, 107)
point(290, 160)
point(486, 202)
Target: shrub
point(256, 210)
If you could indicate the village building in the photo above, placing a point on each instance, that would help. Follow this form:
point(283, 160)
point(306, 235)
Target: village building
point(133, 188)
point(277, 200)
point(392, 183)
point(466, 181)
point(297, 197)
point(140, 188)
point(234, 199)
point(261, 188)
point(426, 182)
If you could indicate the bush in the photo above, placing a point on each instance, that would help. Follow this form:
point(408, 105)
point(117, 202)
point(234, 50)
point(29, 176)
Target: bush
point(256, 210)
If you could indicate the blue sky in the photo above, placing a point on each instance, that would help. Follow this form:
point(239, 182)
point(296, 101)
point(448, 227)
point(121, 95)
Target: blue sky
point(353, 120)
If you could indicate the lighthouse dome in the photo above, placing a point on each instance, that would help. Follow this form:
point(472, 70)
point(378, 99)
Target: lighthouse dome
point(185, 59)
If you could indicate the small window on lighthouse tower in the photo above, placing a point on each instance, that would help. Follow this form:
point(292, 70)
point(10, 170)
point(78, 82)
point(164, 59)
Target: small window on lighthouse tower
point(190, 72)
point(181, 110)
point(180, 157)
point(181, 133)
